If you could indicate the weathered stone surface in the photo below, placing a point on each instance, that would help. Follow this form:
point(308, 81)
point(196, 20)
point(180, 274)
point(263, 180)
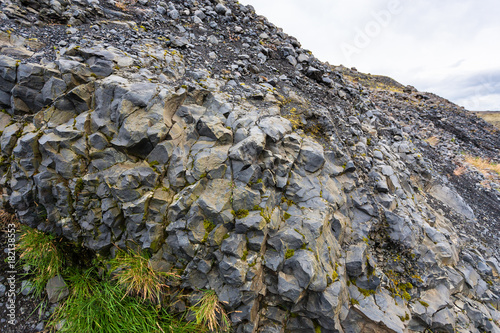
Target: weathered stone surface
point(303, 266)
point(356, 259)
point(275, 127)
point(311, 155)
point(209, 138)
point(452, 199)
point(254, 221)
point(9, 138)
point(288, 286)
point(57, 290)
point(248, 149)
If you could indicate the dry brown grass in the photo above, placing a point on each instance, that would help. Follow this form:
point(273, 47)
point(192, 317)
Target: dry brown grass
point(460, 171)
point(491, 117)
point(134, 272)
point(433, 140)
point(6, 219)
point(123, 4)
point(210, 313)
point(486, 167)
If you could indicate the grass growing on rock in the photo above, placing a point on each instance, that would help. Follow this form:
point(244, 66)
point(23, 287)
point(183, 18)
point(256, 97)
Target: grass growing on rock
point(484, 166)
point(210, 314)
point(240, 213)
point(8, 220)
point(103, 306)
point(134, 272)
point(41, 252)
point(123, 294)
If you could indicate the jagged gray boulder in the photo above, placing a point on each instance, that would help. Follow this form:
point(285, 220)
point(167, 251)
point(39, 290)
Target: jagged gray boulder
point(57, 290)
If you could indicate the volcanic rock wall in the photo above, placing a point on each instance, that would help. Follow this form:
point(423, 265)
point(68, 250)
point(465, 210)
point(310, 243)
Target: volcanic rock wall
point(202, 133)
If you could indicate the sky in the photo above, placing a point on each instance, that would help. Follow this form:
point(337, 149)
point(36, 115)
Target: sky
point(448, 47)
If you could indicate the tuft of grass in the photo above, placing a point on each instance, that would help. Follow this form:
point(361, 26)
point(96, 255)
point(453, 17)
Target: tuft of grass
point(79, 186)
point(240, 213)
point(118, 295)
point(134, 272)
point(486, 167)
point(289, 253)
point(41, 252)
point(210, 314)
point(209, 225)
point(8, 220)
point(366, 292)
point(425, 304)
point(460, 171)
point(105, 307)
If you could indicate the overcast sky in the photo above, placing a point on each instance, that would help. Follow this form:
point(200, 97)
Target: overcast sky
point(448, 47)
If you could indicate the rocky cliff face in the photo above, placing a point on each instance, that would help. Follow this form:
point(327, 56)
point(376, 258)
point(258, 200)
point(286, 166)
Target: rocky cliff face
point(303, 194)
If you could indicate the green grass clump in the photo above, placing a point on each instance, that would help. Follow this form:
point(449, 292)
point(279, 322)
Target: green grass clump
point(105, 307)
point(354, 301)
point(134, 272)
point(41, 252)
point(286, 216)
point(405, 317)
point(425, 304)
point(240, 213)
point(289, 253)
point(209, 225)
point(124, 294)
point(210, 314)
point(366, 292)
point(79, 186)
point(405, 286)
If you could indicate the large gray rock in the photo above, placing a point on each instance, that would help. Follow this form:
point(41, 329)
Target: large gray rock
point(275, 127)
point(245, 198)
point(401, 229)
point(303, 265)
point(233, 270)
point(250, 148)
point(213, 128)
point(9, 138)
point(452, 199)
point(356, 259)
point(311, 155)
point(288, 287)
point(57, 290)
point(254, 221)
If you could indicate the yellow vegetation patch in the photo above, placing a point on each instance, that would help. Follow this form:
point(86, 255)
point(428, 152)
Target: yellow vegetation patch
point(210, 314)
point(486, 167)
point(460, 170)
point(433, 140)
point(122, 4)
point(491, 117)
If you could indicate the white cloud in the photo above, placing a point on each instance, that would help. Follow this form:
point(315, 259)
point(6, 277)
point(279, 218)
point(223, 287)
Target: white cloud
point(428, 44)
